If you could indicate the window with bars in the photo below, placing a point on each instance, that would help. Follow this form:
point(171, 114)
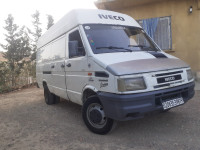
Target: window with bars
point(160, 30)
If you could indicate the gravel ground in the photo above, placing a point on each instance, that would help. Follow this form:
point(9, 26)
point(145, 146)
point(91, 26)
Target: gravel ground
point(27, 123)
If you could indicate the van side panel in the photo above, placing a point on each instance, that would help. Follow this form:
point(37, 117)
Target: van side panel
point(51, 66)
point(39, 68)
point(58, 63)
point(44, 66)
point(77, 78)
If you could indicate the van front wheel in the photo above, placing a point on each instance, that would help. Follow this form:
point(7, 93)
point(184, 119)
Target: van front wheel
point(94, 116)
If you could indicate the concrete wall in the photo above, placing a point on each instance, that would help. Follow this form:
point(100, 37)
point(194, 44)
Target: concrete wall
point(185, 27)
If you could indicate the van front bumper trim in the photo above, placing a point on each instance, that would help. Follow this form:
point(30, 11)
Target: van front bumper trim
point(133, 106)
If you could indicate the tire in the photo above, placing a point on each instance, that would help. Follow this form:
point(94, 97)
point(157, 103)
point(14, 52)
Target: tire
point(37, 85)
point(48, 96)
point(164, 111)
point(56, 99)
point(94, 117)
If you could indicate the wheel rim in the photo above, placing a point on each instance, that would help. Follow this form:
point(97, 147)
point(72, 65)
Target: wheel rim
point(96, 115)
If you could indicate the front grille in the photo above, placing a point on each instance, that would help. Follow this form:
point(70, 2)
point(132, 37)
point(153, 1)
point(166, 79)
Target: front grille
point(163, 85)
point(168, 78)
point(169, 73)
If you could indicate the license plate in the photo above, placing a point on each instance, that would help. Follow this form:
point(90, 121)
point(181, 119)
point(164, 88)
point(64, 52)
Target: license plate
point(172, 103)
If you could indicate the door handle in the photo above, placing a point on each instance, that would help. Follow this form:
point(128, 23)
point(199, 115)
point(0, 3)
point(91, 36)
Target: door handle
point(52, 66)
point(68, 65)
point(62, 66)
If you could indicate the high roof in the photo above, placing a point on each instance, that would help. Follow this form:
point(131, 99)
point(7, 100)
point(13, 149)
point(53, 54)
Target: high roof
point(84, 16)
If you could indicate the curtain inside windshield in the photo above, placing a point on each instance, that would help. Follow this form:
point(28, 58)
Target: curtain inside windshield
point(109, 39)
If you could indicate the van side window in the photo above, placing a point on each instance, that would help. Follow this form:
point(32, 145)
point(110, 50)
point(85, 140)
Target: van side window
point(75, 44)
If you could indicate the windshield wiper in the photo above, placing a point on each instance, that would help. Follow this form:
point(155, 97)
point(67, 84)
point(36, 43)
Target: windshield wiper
point(113, 47)
point(137, 46)
point(144, 47)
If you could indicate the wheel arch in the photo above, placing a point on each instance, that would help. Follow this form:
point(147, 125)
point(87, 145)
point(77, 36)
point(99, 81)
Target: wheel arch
point(44, 83)
point(88, 91)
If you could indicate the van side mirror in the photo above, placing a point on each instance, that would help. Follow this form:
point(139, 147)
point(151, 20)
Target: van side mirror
point(73, 48)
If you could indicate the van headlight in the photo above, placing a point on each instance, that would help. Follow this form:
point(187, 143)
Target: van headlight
point(189, 74)
point(131, 84)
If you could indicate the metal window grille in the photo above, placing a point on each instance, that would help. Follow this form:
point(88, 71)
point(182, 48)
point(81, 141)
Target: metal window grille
point(162, 35)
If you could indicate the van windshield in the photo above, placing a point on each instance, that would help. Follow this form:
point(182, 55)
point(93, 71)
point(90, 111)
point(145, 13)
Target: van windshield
point(115, 38)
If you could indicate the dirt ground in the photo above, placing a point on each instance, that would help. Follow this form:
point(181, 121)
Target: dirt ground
point(27, 123)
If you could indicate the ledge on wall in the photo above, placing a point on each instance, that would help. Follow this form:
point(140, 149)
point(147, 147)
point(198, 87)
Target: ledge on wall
point(169, 51)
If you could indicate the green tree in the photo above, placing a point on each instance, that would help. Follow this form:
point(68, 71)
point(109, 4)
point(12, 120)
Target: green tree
point(50, 21)
point(5, 73)
point(36, 33)
point(11, 38)
point(11, 47)
point(17, 47)
point(24, 43)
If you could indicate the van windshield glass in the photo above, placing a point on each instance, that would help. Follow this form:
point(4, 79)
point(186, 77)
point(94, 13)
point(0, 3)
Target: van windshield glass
point(114, 38)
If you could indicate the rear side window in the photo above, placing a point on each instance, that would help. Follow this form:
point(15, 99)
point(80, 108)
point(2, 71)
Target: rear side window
point(75, 44)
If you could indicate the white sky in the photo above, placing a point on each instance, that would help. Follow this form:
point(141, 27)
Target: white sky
point(23, 9)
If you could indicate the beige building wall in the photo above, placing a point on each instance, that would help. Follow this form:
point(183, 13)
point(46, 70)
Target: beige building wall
point(185, 26)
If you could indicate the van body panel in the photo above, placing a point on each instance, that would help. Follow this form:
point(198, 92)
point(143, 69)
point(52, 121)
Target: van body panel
point(76, 69)
point(106, 84)
point(145, 65)
point(58, 78)
point(81, 16)
point(76, 78)
point(133, 106)
point(47, 75)
point(119, 57)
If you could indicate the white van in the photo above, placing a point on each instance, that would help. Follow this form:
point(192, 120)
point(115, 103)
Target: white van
point(105, 61)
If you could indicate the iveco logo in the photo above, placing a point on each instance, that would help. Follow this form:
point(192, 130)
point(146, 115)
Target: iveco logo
point(111, 17)
point(169, 79)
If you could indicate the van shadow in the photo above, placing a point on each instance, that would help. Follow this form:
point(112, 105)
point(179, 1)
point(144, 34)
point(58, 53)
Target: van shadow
point(151, 124)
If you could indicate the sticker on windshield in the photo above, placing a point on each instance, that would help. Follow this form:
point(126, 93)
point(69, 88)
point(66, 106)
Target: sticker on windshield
point(90, 40)
point(87, 27)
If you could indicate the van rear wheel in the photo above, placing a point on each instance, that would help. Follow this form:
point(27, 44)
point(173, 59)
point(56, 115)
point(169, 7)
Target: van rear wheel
point(94, 116)
point(48, 96)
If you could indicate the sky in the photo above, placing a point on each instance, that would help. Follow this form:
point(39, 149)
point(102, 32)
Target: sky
point(22, 10)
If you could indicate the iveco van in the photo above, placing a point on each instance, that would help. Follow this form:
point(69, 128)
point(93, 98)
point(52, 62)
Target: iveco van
point(107, 63)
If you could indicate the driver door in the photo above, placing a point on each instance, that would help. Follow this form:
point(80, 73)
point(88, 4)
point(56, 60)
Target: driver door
point(75, 66)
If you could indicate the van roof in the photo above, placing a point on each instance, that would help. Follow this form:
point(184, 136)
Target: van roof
point(84, 16)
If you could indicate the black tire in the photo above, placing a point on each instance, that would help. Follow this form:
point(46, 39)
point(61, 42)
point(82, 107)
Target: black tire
point(94, 117)
point(37, 85)
point(48, 96)
point(56, 99)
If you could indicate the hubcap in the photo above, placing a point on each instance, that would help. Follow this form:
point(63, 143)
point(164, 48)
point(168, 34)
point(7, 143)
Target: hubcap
point(96, 115)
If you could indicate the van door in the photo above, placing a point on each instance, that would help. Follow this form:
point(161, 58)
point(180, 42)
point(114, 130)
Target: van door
point(58, 52)
point(76, 66)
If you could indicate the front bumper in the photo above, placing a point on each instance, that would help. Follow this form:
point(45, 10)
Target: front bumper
point(133, 106)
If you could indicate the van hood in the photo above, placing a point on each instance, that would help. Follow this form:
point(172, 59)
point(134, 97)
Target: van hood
point(138, 62)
